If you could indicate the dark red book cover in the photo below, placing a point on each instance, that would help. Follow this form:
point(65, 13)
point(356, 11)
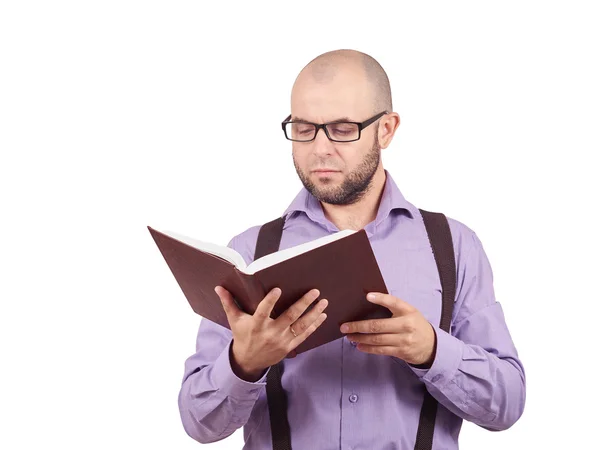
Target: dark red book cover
point(344, 271)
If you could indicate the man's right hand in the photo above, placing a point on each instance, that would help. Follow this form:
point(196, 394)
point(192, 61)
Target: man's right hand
point(260, 341)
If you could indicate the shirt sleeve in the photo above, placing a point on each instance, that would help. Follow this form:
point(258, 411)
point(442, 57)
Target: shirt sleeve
point(213, 400)
point(476, 372)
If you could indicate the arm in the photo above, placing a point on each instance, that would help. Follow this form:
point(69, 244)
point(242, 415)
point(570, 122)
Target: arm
point(476, 372)
point(213, 400)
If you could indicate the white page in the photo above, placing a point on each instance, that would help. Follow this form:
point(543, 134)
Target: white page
point(274, 258)
point(224, 252)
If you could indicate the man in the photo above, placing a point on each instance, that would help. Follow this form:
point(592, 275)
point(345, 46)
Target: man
point(365, 390)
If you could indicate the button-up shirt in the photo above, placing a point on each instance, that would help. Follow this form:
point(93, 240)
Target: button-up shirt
point(342, 398)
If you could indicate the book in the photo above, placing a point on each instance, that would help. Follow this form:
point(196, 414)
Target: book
point(342, 266)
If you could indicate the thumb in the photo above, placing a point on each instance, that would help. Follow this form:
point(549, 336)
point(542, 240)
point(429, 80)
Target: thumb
point(397, 306)
point(403, 307)
point(232, 311)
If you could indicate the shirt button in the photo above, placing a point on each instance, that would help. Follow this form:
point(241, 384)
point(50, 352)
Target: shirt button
point(353, 398)
point(437, 378)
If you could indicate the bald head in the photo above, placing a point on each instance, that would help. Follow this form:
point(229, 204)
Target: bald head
point(349, 66)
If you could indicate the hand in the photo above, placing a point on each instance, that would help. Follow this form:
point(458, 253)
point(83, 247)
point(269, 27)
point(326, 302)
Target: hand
point(260, 341)
point(406, 335)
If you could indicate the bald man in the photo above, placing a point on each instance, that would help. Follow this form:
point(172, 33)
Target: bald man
point(364, 391)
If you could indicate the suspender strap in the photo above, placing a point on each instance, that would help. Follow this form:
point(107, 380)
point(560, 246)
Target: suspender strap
point(269, 238)
point(440, 239)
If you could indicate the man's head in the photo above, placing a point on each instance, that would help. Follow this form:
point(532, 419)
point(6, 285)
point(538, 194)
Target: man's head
point(343, 84)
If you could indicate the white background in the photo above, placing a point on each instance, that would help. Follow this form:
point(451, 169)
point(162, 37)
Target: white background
point(116, 115)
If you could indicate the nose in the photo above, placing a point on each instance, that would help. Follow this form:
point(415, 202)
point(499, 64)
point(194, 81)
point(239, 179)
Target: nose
point(321, 144)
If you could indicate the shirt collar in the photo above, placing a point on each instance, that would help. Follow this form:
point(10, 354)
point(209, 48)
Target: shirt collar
point(391, 199)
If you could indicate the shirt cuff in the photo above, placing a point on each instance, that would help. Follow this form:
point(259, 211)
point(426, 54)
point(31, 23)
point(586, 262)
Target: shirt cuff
point(448, 356)
point(229, 383)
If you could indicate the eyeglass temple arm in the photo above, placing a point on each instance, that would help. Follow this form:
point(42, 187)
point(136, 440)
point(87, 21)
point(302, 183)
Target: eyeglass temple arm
point(285, 120)
point(366, 123)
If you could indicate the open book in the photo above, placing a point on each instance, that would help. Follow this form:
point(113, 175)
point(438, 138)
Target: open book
point(236, 259)
point(341, 265)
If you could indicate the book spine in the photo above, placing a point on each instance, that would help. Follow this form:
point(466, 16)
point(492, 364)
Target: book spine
point(254, 290)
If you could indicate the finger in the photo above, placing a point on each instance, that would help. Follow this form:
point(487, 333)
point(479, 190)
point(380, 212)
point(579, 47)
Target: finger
point(307, 320)
point(397, 306)
point(378, 349)
point(231, 309)
point(290, 315)
point(265, 307)
point(385, 339)
point(389, 325)
point(310, 330)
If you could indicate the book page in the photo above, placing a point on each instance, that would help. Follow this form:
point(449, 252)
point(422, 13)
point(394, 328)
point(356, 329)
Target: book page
point(220, 251)
point(282, 255)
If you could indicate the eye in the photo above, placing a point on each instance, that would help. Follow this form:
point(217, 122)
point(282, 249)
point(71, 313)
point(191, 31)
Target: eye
point(303, 128)
point(343, 129)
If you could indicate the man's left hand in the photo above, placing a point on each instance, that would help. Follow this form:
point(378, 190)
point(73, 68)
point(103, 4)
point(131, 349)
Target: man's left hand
point(406, 335)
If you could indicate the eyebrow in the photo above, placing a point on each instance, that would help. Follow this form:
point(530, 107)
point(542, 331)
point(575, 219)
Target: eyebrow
point(341, 119)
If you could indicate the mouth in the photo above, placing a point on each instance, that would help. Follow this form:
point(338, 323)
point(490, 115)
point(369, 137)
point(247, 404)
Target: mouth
point(325, 171)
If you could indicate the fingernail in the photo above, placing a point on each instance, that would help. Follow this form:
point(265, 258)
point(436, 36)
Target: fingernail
point(371, 296)
point(345, 328)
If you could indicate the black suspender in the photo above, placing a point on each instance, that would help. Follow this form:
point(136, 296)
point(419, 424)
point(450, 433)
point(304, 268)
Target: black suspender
point(440, 239)
point(268, 241)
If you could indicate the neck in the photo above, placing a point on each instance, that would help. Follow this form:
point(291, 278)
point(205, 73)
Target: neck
point(357, 215)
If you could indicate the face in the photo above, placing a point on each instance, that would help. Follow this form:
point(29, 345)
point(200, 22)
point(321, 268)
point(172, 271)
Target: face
point(346, 186)
point(352, 165)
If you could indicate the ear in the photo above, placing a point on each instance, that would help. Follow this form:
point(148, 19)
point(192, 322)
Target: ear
point(387, 127)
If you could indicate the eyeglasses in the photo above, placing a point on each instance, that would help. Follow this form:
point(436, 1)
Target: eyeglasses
point(338, 131)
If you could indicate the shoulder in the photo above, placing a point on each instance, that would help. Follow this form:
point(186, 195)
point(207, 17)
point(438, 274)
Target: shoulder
point(464, 239)
point(463, 236)
point(469, 252)
point(245, 243)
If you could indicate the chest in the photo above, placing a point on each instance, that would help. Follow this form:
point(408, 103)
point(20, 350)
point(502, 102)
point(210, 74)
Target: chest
point(410, 273)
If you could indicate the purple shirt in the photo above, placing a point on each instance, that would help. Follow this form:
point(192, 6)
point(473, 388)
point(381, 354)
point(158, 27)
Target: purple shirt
point(342, 398)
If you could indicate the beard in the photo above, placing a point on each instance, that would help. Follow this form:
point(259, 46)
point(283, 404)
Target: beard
point(355, 185)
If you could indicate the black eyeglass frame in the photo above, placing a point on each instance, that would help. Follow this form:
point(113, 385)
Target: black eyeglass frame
point(361, 126)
